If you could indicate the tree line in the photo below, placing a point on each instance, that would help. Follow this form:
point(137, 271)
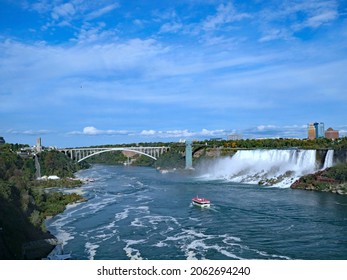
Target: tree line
point(280, 143)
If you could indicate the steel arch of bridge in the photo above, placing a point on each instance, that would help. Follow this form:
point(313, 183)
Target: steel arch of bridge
point(81, 154)
point(117, 149)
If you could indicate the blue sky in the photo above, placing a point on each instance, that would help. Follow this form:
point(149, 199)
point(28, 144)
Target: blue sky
point(80, 73)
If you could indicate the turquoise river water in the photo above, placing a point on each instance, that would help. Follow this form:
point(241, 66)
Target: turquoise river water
point(140, 213)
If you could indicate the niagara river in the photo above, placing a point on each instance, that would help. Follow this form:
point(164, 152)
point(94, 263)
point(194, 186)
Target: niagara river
point(140, 213)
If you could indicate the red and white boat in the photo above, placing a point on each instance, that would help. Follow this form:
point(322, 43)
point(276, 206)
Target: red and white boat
point(201, 202)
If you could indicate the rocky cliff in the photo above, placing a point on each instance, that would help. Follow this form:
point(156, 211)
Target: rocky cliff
point(333, 179)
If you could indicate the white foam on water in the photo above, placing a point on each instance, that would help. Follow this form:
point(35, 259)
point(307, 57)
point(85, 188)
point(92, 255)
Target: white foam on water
point(64, 236)
point(198, 245)
point(190, 255)
point(272, 256)
point(73, 205)
point(91, 249)
point(102, 234)
point(96, 206)
point(122, 215)
point(141, 198)
point(138, 183)
point(64, 232)
point(161, 244)
point(137, 223)
point(132, 253)
point(230, 239)
point(156, 219)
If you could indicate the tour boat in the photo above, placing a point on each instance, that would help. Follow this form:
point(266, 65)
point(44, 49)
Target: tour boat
point(201, 202)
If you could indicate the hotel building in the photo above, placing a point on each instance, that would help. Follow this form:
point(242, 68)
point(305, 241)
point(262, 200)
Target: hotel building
point(319, 127)
point(331, 133)
point(311, 131)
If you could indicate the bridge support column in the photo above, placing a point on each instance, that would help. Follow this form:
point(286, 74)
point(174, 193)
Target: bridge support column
point(189, 155)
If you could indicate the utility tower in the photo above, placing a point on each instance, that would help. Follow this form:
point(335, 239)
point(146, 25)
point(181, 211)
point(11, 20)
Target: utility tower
point(189, 155)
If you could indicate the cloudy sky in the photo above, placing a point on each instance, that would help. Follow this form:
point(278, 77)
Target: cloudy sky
point(79, 72)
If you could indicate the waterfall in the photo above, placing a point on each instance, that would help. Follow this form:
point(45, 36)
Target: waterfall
point(37, 166)
point(268, 167)
point(328, 162)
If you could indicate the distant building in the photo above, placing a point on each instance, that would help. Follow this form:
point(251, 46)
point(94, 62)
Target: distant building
point(235, 136)
point(311, 131)
point(331, 133)
point(2, 140)
point(38, 146)
point(319, 127)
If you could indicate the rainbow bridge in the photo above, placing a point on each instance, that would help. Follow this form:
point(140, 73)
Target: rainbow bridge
point(80, 154)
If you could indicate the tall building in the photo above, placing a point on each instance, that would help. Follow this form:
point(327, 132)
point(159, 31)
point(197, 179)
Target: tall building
point(38, 145)
point(331, 133)
point(311, 131)
point(319, 127)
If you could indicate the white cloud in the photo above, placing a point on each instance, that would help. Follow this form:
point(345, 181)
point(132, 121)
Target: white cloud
point(56, 13)
point(225, 14)
point(102, 11)
point(166, 134)
point(275, 34)
point(62, 11)
point(40, 6)
point(91, 130)
point(221, 17)
point(218, 132)
point(266, 127)
point(284, 20)
point(29, 132)
point(276, 131)
point(317, 20)
point(185, 133)
point(178, 133)
point(89, 33)
point(261, 131)
point(210, 70)
point(150, 132)
point(34, 65)
point(172, 27)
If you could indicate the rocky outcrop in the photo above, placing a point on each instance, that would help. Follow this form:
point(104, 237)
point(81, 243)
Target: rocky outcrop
point(332, 179)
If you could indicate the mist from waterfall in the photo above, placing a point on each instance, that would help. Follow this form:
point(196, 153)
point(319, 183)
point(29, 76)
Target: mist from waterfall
point(279, 168)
